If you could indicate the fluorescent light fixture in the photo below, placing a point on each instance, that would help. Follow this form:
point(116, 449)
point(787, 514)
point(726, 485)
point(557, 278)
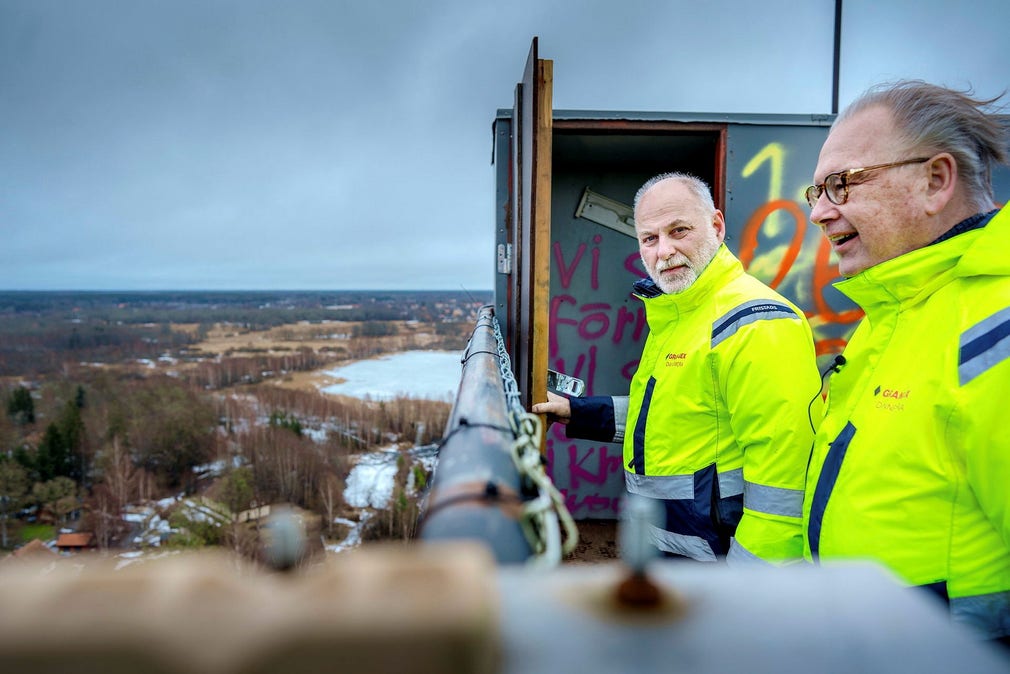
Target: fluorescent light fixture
point(607, 212)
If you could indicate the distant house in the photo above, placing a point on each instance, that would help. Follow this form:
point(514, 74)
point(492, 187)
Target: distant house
point(75, 542)
point(253, 514)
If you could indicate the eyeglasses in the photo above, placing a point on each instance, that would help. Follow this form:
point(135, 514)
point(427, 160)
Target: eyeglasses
point(836, 185)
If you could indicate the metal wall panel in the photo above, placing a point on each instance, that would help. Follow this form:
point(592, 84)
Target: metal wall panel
point(768, 225)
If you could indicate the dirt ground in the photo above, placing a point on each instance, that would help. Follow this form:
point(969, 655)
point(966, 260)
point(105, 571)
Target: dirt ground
point(597, 542)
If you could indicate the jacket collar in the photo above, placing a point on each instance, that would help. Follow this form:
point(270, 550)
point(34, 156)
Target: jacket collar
point(988, 253)
point(976, 246)
point(723, 267)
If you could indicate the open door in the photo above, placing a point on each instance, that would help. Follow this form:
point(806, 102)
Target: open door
point(531, 227)
point(567, 257)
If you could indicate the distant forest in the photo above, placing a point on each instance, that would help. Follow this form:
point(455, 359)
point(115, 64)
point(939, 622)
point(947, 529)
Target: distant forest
point(39, 331)
point(115, 398)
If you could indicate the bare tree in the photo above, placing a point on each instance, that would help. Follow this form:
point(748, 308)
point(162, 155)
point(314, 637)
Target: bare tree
point(120, 474)
point(331, 490)
point(104, 515)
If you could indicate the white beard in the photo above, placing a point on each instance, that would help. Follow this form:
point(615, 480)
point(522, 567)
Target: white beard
point(685, 278)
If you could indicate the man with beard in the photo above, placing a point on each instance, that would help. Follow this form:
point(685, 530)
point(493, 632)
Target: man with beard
point(717, 425)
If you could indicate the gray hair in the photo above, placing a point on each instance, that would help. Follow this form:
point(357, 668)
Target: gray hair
point(944, 120)
point(696, 185)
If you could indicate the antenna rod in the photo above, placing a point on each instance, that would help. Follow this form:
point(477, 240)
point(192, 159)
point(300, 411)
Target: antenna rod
point(838, 54)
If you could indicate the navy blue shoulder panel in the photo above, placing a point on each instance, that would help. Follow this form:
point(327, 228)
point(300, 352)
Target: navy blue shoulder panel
point(983, 346)
point(748, 312)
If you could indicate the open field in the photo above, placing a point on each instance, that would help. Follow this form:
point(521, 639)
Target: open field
point(329, 335)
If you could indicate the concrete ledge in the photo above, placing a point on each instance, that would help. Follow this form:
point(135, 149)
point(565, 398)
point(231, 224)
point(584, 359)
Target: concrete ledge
point(420, 608)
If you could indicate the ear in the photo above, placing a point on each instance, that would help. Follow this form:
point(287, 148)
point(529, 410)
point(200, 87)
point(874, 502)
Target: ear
point(719, 223)
point(942, 182)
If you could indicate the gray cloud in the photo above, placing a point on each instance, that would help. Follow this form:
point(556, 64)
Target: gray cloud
point(339, 144)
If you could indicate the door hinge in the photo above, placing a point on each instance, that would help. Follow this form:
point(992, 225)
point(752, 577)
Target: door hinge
point(504, 258)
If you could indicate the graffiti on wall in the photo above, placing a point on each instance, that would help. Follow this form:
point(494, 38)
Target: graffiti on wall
point(779, 245)
point(587, 474)
point(592, 330)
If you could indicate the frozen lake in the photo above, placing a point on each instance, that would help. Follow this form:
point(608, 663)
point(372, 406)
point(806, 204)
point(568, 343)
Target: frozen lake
point(433, 375)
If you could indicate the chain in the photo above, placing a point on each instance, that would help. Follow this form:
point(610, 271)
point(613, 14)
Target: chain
point(538, 521)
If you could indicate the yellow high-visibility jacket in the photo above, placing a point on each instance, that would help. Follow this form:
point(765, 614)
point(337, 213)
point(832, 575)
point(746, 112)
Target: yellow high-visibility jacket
point(718, 425)
point(911, 465)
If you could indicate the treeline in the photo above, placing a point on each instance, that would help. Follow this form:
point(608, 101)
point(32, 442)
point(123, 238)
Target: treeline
point(358, 423)
point(251, 309)
point(30, 347)
point(48, 347)
point(229, 371)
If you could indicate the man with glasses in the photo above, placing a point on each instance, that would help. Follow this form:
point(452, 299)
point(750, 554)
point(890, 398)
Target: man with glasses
point(716, 425)
point(911, 463)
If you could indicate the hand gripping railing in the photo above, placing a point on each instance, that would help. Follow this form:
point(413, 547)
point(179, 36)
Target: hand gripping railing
point(490, 482)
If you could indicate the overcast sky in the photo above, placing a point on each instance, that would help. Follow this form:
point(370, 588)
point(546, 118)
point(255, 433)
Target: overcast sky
point(338, 144)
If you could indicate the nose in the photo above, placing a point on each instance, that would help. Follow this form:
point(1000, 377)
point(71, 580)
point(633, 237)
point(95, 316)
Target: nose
point(667, 247)
point(822, 210)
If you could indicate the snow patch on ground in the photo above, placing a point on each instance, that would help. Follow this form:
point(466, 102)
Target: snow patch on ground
point(370, 483)
point(353, 538)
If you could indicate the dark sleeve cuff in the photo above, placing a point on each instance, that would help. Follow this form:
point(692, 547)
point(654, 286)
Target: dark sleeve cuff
point(592, 418)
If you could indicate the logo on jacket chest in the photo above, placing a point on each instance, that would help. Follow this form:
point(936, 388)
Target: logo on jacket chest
point(893, 393)
point(888, 398)
point(676, 359)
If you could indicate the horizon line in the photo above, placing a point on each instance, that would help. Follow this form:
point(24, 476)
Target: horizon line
point(243, 290)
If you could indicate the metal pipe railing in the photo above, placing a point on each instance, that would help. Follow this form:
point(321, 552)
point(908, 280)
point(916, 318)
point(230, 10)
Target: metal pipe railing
point(477, 491)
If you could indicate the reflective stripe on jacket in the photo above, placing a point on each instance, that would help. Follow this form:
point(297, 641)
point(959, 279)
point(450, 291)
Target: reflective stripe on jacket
point(718, 425)
point(911, 465)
